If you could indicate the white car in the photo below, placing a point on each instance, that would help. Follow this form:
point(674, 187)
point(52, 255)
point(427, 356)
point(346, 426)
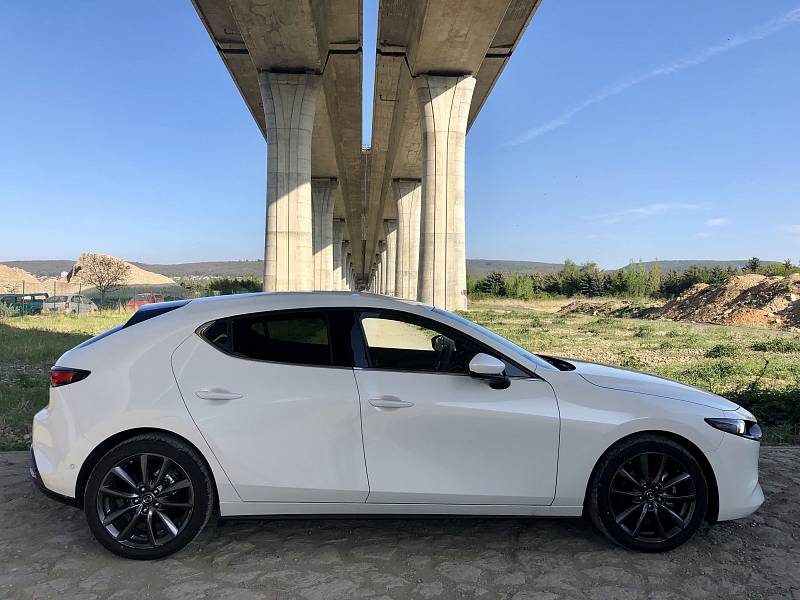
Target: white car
point(70, 304)
point(357, 404)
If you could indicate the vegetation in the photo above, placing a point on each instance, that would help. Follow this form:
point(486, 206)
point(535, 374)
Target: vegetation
point(222, 285)
point(104, 272)
point(758, 369)
point(634, 281)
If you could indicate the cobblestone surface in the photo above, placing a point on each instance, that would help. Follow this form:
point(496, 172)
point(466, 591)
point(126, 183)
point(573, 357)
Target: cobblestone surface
point(46, 551)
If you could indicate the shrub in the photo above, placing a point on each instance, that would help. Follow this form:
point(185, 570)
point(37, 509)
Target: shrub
point(722, 351)
point(778, 344)
point(8, 311)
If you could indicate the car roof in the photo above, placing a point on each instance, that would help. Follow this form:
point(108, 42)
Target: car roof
point(233, 304)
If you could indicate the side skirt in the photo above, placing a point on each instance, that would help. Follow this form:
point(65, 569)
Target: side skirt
point(252, 509)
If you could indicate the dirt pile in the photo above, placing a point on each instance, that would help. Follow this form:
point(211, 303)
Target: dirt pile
point(12, 278)
point(136, 275)
point(611, 308)
point(746, 300)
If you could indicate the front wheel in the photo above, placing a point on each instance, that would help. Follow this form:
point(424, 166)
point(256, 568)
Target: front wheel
point(148, 497)
point(648, 493)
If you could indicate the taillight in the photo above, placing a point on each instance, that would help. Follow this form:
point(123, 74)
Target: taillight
point(62, 376)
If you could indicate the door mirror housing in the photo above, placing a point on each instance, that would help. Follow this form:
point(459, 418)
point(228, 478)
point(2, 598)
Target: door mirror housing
point(491, 369)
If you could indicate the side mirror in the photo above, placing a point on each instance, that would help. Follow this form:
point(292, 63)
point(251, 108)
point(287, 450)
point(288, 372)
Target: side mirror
point(493, 370)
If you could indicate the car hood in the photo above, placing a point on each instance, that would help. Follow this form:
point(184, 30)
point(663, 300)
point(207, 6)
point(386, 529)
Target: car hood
point(625, 380)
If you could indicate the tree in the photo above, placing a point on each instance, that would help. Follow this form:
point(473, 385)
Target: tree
point(494, 283)
point(104, 272)
point(753, 265)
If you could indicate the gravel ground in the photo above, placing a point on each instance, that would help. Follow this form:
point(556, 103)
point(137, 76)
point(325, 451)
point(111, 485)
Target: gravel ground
point(46, 551)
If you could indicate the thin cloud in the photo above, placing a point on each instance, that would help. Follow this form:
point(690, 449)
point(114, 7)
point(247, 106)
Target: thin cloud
point(795, 229)
point(759, 33)
point(643, 212)
point(717, 222)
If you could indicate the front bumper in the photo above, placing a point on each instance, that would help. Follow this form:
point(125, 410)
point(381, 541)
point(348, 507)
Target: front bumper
point(37, 479)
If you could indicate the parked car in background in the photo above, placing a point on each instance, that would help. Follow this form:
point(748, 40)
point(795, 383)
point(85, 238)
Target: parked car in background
point(24, 304)
point(70, 304)
point(145, 298)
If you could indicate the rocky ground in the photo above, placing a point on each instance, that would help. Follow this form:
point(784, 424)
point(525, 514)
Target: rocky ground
point(46, 551)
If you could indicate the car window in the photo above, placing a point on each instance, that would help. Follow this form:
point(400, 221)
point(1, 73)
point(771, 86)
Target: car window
point(289, 338)
point(409, 343)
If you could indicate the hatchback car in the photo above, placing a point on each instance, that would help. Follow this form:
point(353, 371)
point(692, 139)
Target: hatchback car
point(70, 304)
point(346, 403)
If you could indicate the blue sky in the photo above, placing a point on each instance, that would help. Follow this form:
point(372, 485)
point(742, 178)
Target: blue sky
point(619, 130)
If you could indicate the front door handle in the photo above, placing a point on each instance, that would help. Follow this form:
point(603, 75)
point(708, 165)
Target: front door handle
point(389, 402)
point(217, 394)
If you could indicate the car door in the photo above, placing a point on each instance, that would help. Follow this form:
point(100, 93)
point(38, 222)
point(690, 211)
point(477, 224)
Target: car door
point(435, 435)
point(275, 397)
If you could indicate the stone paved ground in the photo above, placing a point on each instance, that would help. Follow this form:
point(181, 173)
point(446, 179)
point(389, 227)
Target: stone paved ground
point(46, 551)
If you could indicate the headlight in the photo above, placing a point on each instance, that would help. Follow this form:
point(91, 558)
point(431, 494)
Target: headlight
point(741, 427)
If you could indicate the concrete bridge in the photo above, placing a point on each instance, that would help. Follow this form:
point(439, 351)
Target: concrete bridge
point(388, 218)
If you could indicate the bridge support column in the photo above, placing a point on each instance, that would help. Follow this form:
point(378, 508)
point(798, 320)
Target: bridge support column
point(382, 266)
point(323, 196)
point(289, 107)
point(444, 107)
point(336, 275)
point(345, 252)
point(407, 193)
point(390, 226)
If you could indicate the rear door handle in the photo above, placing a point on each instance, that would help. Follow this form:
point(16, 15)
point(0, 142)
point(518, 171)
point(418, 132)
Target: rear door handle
point(389, 402)
point(217, 394)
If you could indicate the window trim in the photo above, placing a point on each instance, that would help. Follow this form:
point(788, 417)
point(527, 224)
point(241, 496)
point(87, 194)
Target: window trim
point(447, 329)
point(323, 311)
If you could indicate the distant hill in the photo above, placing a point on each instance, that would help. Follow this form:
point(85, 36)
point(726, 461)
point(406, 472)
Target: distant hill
point(477, 267)
point(682, 265)
point(42, 268)
point(220, 268)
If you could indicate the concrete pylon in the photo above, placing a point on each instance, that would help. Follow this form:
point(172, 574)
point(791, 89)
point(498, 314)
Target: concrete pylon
point(407, 193)
point(345, 259)
point(323, 197)
point(378, 278)
point(336, 273)
point(444, 107)
point(290, 101)
point(383, 266)
point(390, 227)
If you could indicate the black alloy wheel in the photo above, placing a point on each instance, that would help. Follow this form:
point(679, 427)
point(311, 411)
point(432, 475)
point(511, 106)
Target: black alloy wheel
point(148, 497)
point(145, 501)
point(648, 493)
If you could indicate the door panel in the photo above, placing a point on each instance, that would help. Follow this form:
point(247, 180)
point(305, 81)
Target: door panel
point(294, 435)
point(454, 440)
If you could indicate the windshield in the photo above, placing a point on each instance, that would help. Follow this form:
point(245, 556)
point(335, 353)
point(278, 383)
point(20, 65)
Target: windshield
point(497, 338)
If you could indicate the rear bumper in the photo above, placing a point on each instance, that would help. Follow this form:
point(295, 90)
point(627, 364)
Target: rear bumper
point(33, 471)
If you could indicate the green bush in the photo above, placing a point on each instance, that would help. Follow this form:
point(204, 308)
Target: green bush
point(722, 351)
point(784, 345)
point(8, 311)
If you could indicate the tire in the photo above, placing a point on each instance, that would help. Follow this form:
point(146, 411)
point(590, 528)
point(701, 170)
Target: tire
point(148, 520)
point(660, 506)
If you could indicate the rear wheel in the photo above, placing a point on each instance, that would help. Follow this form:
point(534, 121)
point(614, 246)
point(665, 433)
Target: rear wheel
point(648, 493)
point(148, 497)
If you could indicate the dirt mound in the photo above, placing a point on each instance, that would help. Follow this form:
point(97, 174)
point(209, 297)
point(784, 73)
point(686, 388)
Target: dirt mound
point(136, 275)
point(747, 300)
point(610, 308)
point(12, 278)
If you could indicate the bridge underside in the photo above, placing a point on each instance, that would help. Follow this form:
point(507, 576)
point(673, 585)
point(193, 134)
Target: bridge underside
point(388, 218)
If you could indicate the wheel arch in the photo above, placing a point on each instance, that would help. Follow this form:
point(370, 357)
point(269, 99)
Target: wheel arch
point(713, 491)
point(103, 447)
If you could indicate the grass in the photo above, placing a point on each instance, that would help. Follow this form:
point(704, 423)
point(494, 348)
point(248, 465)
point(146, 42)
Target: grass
point(755, 368)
